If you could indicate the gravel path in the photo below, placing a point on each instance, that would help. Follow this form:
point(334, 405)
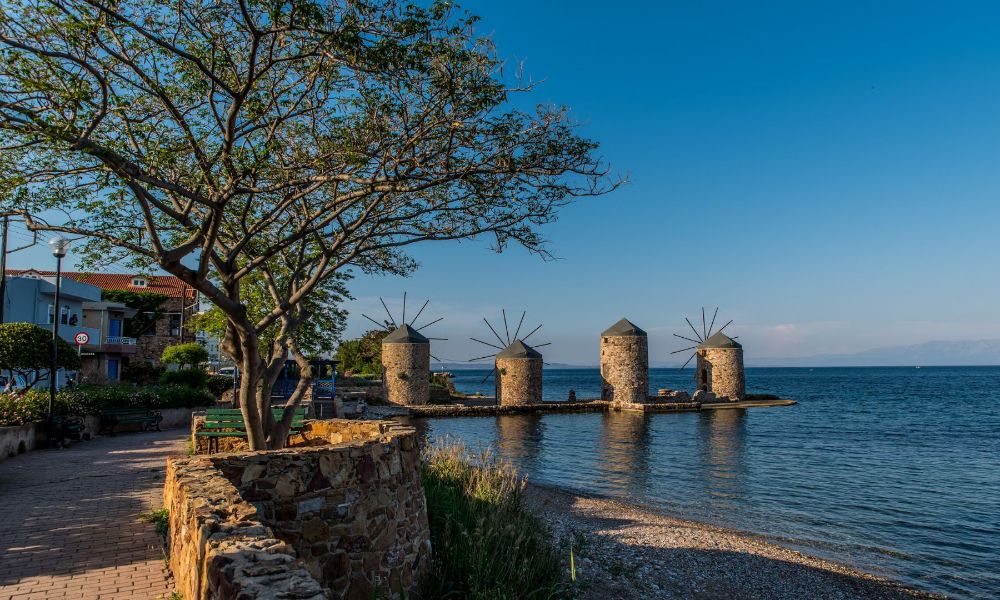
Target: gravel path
point(625, 552)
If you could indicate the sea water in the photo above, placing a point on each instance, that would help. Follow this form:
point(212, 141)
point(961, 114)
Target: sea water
point(892, 470)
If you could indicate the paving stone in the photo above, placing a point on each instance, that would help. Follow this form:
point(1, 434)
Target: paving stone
point(72, 526)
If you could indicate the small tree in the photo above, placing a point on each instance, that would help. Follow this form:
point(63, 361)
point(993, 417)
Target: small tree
point(191, 353)
point(26, 350)
point(363, 355)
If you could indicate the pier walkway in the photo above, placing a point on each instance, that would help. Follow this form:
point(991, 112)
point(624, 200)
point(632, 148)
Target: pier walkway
point(70, 519)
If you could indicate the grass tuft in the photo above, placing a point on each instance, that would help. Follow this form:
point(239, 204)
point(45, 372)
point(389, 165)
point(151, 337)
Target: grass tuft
point(160, 520)
point(487, 545)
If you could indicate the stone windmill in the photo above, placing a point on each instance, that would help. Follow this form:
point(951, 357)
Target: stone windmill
point(719, 365)
point(624, 363)
point(406, 358)
point(517, 365)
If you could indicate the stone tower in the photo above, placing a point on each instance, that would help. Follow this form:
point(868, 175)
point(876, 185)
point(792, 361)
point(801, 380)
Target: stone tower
point(406, 366)
point(519, 375)
point(719, 367)
point(624, 363)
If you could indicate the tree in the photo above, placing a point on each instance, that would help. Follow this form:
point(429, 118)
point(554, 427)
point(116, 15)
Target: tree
point(191, 353)
point(289, 140)
point(363, 355)
point(26, 350)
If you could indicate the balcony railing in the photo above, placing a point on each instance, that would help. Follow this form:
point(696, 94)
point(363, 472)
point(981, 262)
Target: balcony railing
point(124, 341)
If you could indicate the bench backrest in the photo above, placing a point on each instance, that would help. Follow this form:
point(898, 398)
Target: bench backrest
point(132, 410)
point(232, 418)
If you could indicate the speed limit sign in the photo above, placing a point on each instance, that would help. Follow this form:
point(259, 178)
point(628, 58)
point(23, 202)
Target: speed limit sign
point(81, 338)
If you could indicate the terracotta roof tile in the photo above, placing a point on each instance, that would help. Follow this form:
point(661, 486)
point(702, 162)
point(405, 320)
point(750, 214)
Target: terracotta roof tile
point(159, 284)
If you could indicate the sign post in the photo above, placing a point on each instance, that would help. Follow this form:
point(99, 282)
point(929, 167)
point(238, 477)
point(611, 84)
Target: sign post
point(81, 338)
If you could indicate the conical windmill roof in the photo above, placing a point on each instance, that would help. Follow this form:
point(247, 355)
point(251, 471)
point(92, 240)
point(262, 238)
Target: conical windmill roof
point(719, 340)
point(405, 334)
point(623, 328)
point(519, 349)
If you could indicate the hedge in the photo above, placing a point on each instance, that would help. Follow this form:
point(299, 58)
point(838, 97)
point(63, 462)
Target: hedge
point(82, 400)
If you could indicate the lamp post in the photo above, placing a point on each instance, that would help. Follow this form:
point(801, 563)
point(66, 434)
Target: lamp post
point(59, 246)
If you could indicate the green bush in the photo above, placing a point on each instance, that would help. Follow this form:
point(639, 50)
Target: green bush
point(218, 384)
point(33, 406)
point(142, 372)
point(486, 543)
point(191, 353)
point(192, 378)
point(29, 407)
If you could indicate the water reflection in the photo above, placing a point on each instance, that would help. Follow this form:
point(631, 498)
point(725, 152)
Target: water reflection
point(519, 439)
point(623, 454)
point(722, 444)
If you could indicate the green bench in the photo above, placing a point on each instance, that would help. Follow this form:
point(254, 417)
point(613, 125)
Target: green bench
point(67, 427)
point(228, 422)
point(112, 417)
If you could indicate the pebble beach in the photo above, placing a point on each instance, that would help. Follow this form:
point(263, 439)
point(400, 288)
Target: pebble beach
point(624, 551)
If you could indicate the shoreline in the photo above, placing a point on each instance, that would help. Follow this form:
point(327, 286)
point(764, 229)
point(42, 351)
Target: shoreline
point(623, 550)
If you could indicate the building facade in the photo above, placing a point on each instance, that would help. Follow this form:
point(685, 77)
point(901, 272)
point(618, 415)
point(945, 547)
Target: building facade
point(120, 334)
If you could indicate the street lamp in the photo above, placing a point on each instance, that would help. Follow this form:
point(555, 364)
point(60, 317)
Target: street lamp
point(59, 246)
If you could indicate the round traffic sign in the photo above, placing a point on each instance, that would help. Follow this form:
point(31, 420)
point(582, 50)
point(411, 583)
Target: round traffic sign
point(81, 338)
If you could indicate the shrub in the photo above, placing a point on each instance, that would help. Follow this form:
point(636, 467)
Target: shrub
point(180, 396)
point(27, 349)
point(18, 409)
point(191, 353)
point(142, 372)
point(486, 542)
point(218, 384)
point(192, 378)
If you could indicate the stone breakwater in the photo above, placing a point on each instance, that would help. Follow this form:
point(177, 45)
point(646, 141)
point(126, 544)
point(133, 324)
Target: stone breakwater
point(671, 403)
point(342, 515)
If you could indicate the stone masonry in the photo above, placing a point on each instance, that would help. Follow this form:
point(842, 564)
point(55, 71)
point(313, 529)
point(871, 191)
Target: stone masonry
point(519, 381)
point(720, 371)
point(341, 516)
point(624, 364)
point(406, 374)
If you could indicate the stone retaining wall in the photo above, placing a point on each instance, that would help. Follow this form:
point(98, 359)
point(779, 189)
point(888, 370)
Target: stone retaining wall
point(343, 514)
point(16, 437)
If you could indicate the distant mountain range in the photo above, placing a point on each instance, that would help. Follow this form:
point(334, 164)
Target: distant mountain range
point(971, 353)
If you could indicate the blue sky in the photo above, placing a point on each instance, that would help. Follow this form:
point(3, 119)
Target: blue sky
point(825, 173)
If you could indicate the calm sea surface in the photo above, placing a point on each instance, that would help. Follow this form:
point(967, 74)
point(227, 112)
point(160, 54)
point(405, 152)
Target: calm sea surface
point(892, 470)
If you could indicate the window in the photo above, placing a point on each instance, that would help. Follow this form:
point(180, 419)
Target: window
point(64, 315)
point(140, 282)
point(175, 325)
point(52, 311)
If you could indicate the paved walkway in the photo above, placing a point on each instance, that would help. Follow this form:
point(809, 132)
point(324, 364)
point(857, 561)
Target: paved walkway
point(69, 519)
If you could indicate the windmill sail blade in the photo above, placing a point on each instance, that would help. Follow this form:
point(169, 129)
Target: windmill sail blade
point(519, 324)
point(487, 343)
point(387, 312)
point(419, 312)
point(687, 361)
point(525, 338)
point(713, 321)
point(500, 339)
point(724, 326)
point(687, 338)
point(506, 331)
point(481, 357)
point(683, 350)
point(696, 334)
point(403, 319)
point(704, 331)
point(381, 325)
point(431, 323)
point(488, 375)
point(540, 345)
